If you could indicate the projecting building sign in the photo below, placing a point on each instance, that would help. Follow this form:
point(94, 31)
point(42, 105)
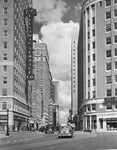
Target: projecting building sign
point(28, 19)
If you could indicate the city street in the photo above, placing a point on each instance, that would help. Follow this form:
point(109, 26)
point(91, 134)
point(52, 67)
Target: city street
point(41, 141)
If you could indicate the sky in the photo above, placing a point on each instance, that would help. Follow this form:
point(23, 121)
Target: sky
point(54, 21)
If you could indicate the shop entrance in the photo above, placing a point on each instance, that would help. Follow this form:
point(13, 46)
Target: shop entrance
point(111, 124)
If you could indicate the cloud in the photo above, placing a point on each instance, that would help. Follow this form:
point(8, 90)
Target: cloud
point(64, 113)
point(50, 10)
point(57, 36)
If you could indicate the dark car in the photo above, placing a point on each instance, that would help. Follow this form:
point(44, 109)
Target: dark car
point(49, 128)
point(65, 131)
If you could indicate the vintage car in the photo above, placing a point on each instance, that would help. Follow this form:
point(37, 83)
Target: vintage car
point(65, 131)
point(49, 129)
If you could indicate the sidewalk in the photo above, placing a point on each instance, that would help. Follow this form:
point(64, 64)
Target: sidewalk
point(3, 133)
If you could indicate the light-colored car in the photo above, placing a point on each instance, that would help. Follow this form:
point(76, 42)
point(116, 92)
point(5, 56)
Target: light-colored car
point(65, 131)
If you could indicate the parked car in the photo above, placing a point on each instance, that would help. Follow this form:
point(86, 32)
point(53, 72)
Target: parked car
point(49, 128)
point(65, 131)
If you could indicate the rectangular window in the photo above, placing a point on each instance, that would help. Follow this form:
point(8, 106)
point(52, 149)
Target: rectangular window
point(115, 25)
point(5, 10)
point(115, 78)
point(5, 45)
point(5, 22)
point(94, 94)
point(88, 71)
point(108, 53)
point(109, 107)
point(93, 69)
point(88, 83)
point(108, 15)
point(108, 27)
point(4, 80)
point(5, 68)
point(88, 35)
point(115, 64)
point(108, 92)
point(100, 4)
point(88, 46)
point(93, 107)
point(115, 92)
point(94, 83)
point(108, 40)
point(108, 80)
point(88, 59)
point(5, 56)
point(115, 13)
point(88, 23)
point(108, 3)
point(93, 32)
point(88, 95)
point(88, 107)
point(93, 57)
point(115, 39)
point(93, 44)
point(4, 105)
point(5, 33)
point(115, 1)
point(108, 66)
point(93, 20)
point(115, 50)
point(4, 92)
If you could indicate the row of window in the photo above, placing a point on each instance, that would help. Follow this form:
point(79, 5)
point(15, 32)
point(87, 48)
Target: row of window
point(108, 27)
point(93, 96)
point(94, 82)
point(108, 42)
point(108, 2)
point(92, 107)
point(108, 14)
point(109, 66)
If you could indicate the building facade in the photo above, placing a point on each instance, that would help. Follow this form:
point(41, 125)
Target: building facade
point(42, 69)
point(97, 65)
point(74, 66)
point(13, 65)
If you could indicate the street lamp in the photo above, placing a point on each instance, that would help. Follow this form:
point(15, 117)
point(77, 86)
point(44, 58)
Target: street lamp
point(7, 132)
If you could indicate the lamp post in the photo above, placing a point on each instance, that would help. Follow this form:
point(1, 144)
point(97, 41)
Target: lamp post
point(7, 132)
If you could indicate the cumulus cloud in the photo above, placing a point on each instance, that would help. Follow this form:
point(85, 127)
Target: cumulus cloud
point(57, 36)
point(49, 10)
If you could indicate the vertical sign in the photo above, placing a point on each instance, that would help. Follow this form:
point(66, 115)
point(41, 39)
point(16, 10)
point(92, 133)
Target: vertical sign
point(28, 19)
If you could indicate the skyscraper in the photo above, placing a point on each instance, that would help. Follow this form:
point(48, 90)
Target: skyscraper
point(44, 79)
point(13, 64)
point(74, 66)
point(97, 65)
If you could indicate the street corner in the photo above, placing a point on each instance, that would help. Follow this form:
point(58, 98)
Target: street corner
point(3, 136)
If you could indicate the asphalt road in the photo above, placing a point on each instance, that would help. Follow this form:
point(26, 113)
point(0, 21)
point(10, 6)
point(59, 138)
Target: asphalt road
point(80, 141)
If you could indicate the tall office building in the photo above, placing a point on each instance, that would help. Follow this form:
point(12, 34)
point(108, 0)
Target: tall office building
point(97, 65)
point(13, 64)
point(56, 92)
point(42, 70)
point(74, 66)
